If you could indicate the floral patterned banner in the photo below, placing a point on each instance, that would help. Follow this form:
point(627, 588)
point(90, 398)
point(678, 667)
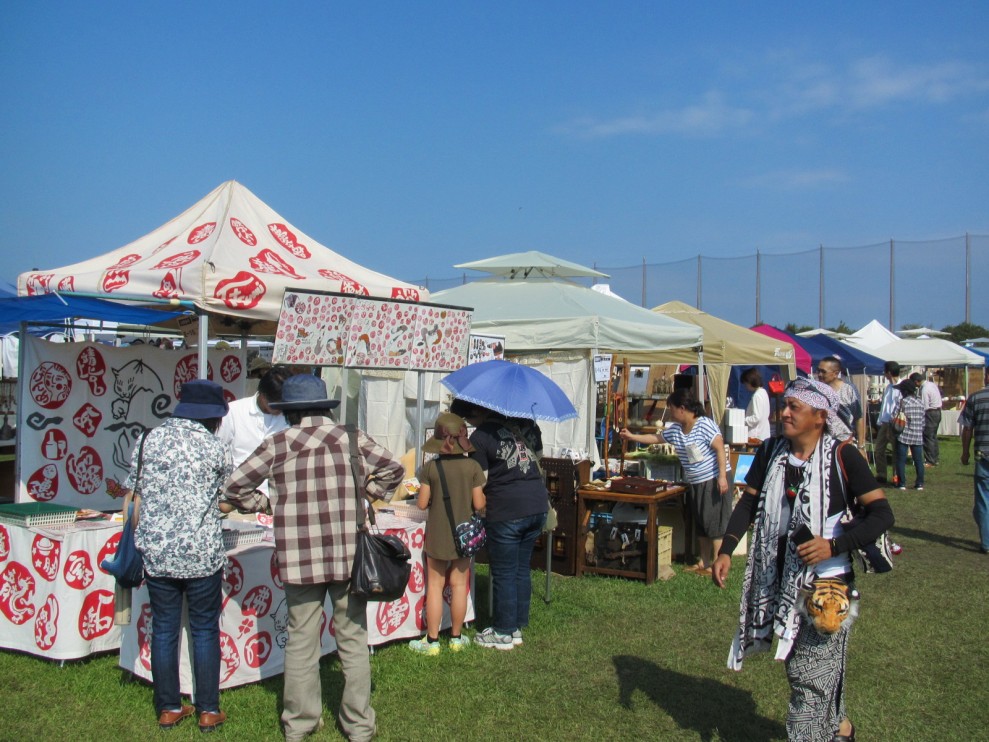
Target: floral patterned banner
point(324, 329)
point(83, 406)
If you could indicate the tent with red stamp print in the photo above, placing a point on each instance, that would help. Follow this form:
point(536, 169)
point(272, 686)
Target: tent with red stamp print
point(230, 255)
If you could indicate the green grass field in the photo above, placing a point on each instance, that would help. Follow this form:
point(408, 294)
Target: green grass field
point(611, 659)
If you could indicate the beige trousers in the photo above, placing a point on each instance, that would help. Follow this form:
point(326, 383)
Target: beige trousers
point(303, 696)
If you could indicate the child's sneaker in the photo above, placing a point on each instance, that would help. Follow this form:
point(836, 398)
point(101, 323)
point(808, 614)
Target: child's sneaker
point(424, 646)
point(517, 638)
point(458, 643)
point(491, 638)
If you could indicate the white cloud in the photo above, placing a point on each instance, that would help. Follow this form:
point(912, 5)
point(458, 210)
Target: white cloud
point(708, 117)
point(789, 89)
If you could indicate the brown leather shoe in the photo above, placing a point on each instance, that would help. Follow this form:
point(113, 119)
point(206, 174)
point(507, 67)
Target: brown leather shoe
point(210, 722)
point(169, 719)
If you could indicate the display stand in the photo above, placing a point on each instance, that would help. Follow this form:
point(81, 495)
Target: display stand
point(649, 502)
point(563, 478)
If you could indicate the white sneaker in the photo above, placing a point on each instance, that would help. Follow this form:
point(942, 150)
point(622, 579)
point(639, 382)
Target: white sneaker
point(517, 638)
point(491, 638)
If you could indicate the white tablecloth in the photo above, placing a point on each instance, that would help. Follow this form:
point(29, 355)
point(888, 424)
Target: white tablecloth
point(254, 619)
point(55, 601)
point(949, 422)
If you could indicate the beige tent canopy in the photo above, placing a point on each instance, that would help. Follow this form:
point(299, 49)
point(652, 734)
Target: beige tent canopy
point(725, 345)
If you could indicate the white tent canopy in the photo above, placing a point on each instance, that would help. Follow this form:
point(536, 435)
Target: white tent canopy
point(871, 336)
point(558, 328)
point(880, 342)
point(551, 315)
point(522, 265)
point(927, 352)
point(229, 254)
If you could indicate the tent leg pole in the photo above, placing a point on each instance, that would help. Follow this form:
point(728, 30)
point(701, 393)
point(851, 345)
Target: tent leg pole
point(203, 344)
point(549, 566)
point(420, 412)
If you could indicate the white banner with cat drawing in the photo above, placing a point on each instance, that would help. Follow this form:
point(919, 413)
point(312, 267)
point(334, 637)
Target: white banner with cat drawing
point(84, 405)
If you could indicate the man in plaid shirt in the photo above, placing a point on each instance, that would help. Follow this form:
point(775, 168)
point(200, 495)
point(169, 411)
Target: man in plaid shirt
point(309, 474)
point(974, 422)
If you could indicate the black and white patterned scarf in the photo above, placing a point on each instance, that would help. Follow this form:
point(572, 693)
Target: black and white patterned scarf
point(768, 604)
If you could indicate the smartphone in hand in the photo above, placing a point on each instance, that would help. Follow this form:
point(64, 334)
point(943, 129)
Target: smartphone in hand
point(801, 535)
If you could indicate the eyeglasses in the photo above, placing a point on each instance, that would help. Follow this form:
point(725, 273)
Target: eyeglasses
point(824, 371)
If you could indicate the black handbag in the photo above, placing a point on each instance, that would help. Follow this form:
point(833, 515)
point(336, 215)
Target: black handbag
point(382, 563)
point(127, 565)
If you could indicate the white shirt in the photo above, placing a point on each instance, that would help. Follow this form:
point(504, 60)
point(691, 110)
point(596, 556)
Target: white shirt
point(757, 415)
point(245, 426)
point(931, 395)
point(891, 400)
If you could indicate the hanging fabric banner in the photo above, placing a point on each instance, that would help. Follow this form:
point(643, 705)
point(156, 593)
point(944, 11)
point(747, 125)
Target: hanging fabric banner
point(324, 329)
point(84, 405)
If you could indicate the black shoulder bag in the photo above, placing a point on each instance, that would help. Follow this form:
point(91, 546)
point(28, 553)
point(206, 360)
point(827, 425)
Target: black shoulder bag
point(381, 563)
point(469, 536)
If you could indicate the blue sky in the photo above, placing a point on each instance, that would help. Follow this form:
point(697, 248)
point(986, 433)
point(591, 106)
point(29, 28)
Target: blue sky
point(410, 137)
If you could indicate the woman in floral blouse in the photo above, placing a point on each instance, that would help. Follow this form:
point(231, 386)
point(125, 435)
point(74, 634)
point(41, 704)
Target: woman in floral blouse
point(182, 466)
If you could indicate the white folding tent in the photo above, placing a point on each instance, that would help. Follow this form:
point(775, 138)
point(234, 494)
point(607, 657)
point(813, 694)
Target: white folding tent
point(558, 328)
point(229, 255)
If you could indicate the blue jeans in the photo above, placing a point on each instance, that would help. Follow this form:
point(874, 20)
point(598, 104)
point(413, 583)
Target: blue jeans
point(917, 451)
point(204, 597)
point(510, 544)
point(981, 510)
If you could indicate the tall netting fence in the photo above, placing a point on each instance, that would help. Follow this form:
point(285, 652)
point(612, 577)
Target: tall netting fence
point(930, 283)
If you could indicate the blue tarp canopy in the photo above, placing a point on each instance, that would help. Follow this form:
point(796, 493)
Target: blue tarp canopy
point(54, 309)
point(854, 360)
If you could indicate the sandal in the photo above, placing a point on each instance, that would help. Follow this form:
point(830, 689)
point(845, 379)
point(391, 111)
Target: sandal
point(850, 737)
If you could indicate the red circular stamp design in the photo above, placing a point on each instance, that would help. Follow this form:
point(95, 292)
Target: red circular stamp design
point(45, 555)
point(46, 624)
point(50, 384)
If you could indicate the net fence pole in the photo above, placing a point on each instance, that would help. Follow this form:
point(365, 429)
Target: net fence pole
point(699, 282)
point(968, 279)
point(758, 287)
point(892, 286)
point(643, 283)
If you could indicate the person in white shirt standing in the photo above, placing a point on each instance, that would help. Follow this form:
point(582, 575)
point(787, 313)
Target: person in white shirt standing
point(252, 419)
point(885, 437)
point(757, 411)
point(930, 395)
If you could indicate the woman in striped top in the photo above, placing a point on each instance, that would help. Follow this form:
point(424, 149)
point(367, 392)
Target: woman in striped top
point(701, 450)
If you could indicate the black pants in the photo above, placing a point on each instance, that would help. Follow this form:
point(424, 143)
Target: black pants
point(932, 451)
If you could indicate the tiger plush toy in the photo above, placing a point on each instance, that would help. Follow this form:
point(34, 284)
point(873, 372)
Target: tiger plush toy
point(829, 604)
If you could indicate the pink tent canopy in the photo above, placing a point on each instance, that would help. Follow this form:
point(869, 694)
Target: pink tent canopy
point(802, 357)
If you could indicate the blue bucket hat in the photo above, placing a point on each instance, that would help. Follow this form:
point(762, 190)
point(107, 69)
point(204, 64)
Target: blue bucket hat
point(304, 392)
point(201, 400)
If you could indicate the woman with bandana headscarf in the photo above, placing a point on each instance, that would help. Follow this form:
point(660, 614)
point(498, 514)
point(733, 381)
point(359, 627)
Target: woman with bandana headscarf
point(449, 484)
point(797, 491)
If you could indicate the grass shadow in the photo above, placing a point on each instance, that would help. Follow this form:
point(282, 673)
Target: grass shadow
point(953, 542)
point(701, 704)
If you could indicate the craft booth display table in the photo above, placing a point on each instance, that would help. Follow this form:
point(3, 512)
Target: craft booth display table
point(254, 618)
point(586, 496)
point(56, 602)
